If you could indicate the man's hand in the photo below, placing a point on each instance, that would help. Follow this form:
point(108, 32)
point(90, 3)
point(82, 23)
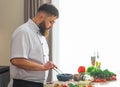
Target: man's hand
point(49, 65)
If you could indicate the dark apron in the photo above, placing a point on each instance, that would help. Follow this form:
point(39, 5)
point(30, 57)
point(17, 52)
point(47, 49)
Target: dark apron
point(24, 83)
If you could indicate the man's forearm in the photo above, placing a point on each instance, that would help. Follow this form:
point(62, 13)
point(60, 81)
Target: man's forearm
point(27, 64)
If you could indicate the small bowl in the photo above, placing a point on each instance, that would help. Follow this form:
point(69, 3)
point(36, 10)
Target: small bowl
point(77, 77)
point(64, 77)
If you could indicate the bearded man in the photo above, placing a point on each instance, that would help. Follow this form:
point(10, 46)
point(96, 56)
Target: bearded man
point(29, 60)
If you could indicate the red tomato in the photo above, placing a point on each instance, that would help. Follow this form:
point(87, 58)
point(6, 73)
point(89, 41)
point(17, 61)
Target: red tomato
point(113, 77)
point(103, 80)
point(89, 85)
point(97, 80)
point(65, 85)
point(81, 69)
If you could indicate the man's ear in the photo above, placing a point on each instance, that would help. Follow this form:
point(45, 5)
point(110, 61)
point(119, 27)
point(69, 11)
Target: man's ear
point(41, 16)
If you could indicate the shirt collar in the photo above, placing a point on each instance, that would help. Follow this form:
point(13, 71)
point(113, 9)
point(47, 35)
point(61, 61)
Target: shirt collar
point(33, 26)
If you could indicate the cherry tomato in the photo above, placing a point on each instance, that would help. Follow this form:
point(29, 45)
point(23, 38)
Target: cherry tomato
point(65, 85)
point(89, 85)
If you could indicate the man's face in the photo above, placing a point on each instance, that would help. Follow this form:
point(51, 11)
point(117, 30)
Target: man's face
point(47, 24)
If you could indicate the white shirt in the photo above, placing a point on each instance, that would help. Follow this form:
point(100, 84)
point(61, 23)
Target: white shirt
point(28, 43)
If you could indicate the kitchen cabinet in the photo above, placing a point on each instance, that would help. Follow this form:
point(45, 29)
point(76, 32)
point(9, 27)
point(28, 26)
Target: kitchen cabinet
point(4, 76)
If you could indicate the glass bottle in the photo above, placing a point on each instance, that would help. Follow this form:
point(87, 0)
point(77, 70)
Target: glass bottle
point(98, 63)
point(93, 60)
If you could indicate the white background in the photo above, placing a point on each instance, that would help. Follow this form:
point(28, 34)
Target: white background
point(85, 27)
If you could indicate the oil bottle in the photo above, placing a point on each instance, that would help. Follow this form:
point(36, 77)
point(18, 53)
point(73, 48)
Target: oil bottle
point(98, 63)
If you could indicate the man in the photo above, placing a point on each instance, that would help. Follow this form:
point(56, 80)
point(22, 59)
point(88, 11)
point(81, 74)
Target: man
point(29, 61)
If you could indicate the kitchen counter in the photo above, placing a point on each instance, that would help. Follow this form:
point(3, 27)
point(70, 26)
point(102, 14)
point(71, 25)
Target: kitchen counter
point(4, 69)
point(108, 84)
point(113, 83)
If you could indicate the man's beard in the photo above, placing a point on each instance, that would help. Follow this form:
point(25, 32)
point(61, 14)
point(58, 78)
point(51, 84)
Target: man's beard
point(42, 28)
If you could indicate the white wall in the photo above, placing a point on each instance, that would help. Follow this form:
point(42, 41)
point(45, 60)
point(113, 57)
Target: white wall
point(84, 28)
point(87, 26)
point(11, 16)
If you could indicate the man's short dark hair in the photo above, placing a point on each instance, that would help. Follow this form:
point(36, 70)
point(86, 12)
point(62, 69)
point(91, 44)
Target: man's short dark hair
point(49, 9)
